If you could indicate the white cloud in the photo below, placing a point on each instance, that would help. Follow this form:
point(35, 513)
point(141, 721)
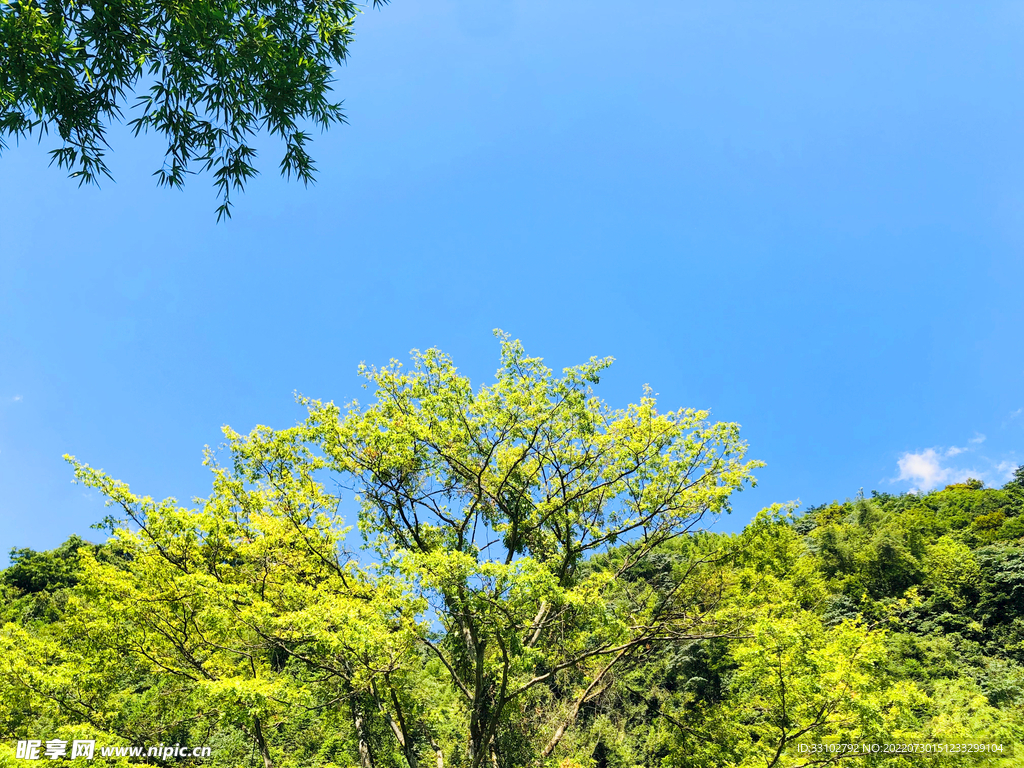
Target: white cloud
point(926, 472)
point(956, 450)
point(1004, 469)
point(934, 467)
point(16, 398)
point(1016, 413)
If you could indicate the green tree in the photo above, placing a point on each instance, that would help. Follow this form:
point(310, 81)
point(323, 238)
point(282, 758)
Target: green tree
point(242, 618)
point(523, 521)
point(536, 589)
point(214, 73)
point(1017, 481)
point(491, 501)
point(34, 572)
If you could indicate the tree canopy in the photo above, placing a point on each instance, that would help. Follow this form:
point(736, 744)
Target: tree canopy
point(535, 586)
point(211, 75)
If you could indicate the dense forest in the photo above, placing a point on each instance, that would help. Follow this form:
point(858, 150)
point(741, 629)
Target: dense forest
point(530, 582)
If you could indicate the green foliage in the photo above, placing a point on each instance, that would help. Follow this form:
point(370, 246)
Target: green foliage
point(1017, 481)
point(214, 74)
point(536, 588)
point(490, 503)
point(34, 572)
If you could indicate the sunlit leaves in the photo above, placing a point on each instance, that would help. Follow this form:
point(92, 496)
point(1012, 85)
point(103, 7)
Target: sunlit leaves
point(212, 75)
point(492, 500)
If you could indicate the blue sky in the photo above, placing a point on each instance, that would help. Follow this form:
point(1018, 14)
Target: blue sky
point(806, 217)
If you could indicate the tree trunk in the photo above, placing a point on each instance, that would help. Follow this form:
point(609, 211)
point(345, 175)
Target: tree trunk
point(262, 743)
point(365, 756)
point(438, 752)
point(574, 710)
point(398, 727)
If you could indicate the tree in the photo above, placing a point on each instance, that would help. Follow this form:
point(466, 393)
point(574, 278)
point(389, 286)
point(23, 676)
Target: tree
point(215, 74)
point(33, 572)
point(243, 618)
point(491, 503)
point(243, 623)
point(518, 530)
point(1016, 483)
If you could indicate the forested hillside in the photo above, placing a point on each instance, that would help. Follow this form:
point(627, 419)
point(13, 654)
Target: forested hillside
point(536, 587)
